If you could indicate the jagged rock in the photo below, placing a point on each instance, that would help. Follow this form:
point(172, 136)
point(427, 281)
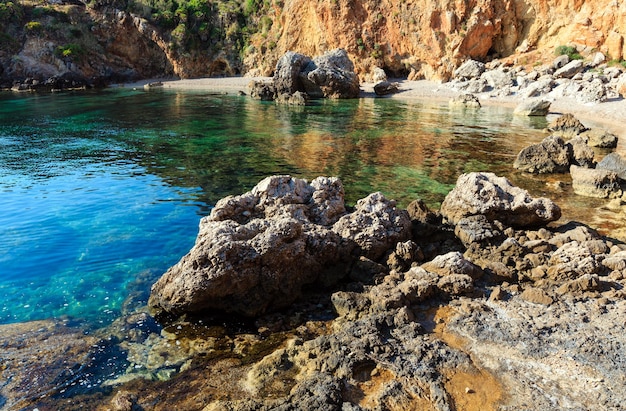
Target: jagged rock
point(497, 199)
point(533, 108)
point(592, 92)
point(456, 284)
point(475, 229)
point(541, 86)
point(465, 100)
point(614, 162)
point(385, 87)
point(570, 69)
point(262, 90)
point(471, 69)
point(586, 282)
point(552, 155)
point(296, 99)
point(598, 182)
point(256, 251)
point(600, 138)
point(566, 126)
point(331, 75)
point(573, 260)
point(498, 79)
point(287, 73)
point(404, 255)
point(452, 263)
point(582, 154)
point(536, 296)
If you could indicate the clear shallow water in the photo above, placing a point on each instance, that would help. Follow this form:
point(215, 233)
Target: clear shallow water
point(100, 192)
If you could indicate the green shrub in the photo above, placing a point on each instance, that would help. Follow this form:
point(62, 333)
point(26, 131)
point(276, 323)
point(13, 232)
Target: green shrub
point(33, 26)
point(570, 51)
point(70, 50)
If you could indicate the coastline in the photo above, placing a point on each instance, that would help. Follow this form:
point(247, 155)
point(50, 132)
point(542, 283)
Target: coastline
point(611, 114)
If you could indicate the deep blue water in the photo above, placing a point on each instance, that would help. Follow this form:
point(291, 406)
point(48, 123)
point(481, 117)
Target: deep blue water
point(101, 192)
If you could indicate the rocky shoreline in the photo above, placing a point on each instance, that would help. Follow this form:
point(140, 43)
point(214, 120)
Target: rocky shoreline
point(488, 303)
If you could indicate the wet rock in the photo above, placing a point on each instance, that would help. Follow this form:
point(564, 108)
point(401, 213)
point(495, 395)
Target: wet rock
point(600, 138)
point(262, 90)
point(582, 154)
point(497, 199)
point(552, 155)
point(296, 99)
point(614, 162)
point(537, 107)
point(598, 182)
point(256, 251)
point(385, 87)
point(465, 100)
point(566, 126)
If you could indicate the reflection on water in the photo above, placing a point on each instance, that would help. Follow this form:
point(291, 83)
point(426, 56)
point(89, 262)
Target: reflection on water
point(100, 189)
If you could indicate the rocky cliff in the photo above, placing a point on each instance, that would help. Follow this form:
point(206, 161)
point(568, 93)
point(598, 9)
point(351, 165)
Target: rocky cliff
point(408, 38)
point(429, 38)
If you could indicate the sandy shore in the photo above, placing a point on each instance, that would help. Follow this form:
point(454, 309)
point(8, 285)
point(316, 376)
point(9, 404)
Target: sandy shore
point(611, 114)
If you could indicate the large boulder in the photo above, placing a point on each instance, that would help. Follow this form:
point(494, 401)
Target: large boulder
point(471, 69)
point(614, 162)
point(287, 73)
point(497, 199)
point(256, 251)
point(570, 69)
point(535, 107)
point(552, 155)
point(595, 182)
point(331, 75)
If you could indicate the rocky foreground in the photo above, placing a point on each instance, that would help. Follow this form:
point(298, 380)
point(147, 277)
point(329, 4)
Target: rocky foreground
point(291, 300)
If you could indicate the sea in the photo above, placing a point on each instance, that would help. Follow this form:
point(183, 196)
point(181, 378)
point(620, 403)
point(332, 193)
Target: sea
point(102, 191)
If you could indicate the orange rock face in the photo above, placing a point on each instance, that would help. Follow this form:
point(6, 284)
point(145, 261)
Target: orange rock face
point(429, 38)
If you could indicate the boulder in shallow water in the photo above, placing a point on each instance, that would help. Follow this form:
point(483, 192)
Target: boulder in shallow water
point(331, 75)
point(552, 155)
point(465, 100)
point(614, 162)
point(566, 126)
point(537, 107)
point(256, 251)
point(497, 199)
point(595, 182)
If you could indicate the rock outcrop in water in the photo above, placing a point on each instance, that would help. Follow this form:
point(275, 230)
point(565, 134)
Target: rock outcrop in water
point(497, 307)
point(330, 75)
point(256, 251)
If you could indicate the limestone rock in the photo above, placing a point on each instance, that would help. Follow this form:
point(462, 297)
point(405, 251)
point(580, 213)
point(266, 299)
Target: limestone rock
point(596, 182)
point(262, 90)
point(582, 154)
point(600, 138)
point(593, 92)
point(465, 100)
point(614, 162)
point(570, 69)
point(452, 263)
point(471, 69)
point(533, 108)
point(497, 199)
point(331, 75)
point(536, 296)
point(566, 126)
point(256, 251)
point(287, 73)
point(476, 229)
point(552, 155)
point(498, 79)
point(385, 87)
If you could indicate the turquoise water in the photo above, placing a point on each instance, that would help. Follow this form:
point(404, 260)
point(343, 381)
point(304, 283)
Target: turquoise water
point(101, 192)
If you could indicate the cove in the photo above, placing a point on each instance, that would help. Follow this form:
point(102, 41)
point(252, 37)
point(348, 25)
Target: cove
point(102, 191)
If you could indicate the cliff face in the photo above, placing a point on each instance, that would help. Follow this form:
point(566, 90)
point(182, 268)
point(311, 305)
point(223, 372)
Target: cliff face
point(428, 38)
point(412, 38)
